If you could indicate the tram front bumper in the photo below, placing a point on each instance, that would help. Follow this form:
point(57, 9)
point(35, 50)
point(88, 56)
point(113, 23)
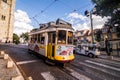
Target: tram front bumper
point(64, 58)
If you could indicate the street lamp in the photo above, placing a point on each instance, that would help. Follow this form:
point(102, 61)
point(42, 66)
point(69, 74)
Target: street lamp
point(87, 13)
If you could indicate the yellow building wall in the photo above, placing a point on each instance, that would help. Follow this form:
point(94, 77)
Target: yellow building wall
point(114, 36)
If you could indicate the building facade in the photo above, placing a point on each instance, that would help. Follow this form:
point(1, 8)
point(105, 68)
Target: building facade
point(85, 36)
point(7, 8)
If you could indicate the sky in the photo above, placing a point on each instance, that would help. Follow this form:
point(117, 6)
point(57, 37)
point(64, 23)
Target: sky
point(29, 14)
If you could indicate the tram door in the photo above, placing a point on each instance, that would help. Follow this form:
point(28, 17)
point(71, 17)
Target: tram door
point(51, 45)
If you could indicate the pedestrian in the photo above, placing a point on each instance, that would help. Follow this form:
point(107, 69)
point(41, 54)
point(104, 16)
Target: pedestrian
point(9, 41)
point(107, 47)
point(6, 41)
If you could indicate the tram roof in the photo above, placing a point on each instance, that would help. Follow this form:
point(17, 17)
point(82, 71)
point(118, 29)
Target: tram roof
point(59, 24)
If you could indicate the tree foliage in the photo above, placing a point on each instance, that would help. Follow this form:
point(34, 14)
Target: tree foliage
point(24, 36)
point(108, 8)
point(98, 36)
point(15, 38)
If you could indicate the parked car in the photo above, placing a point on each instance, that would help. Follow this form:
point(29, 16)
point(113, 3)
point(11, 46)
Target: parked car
point(91, 50)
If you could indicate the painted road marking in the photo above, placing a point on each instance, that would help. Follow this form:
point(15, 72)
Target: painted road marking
point(47, 76)
point(108, 61)
point(99, 69)
point(25, 62)
point(77, 75)
point(117, 59)
point(103, 65)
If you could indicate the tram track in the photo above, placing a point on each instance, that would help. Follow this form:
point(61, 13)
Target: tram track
point(80, 69)
point(73, 72)
point(94, 71)
point(64, 70)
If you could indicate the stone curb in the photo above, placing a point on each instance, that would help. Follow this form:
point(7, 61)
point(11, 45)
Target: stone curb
point(22, 74)
point(10, 65)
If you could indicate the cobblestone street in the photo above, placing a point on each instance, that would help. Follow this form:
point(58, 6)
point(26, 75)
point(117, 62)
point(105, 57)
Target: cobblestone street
point(82, 67)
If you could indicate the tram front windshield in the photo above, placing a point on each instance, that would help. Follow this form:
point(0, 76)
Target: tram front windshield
point(62, 36)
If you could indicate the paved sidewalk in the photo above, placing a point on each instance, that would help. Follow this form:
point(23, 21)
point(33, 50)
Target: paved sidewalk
point(112, 57)
point(16, 45)
point(19, 45)
point(8, 69)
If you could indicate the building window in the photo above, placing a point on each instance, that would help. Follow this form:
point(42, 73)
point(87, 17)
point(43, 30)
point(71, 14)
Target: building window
point(3, 17)
point(104, 30)
point(102, 37)
point(81, 32)
point(4, 1)
point(110, 36)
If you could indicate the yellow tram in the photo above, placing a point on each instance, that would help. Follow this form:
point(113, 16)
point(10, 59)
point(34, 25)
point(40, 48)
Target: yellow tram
point(54, 40)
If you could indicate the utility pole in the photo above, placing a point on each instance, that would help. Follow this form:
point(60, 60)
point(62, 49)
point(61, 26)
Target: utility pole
point(91, 22)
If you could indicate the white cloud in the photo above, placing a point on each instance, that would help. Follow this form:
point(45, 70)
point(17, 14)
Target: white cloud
point(77, 16)
point(22, 22)
point(81, 22)
point(98, 22)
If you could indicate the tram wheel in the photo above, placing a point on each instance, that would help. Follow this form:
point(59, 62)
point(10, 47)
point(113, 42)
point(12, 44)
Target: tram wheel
point(50, 62)
point(64, 64)
point(29, 51)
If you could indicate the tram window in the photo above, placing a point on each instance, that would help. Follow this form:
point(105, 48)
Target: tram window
point(54, 35)
point(51, 37)
point(42, 40)
point(32, 39)
point(38, 38)
point(35, 38)
point(70, 37)
point(61, 37)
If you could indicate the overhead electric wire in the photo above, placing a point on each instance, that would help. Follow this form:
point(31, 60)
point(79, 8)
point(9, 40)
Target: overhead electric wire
point(75, 10)
point(42, 11)
point(38, 15)
point(46, 8)
point(66, 4)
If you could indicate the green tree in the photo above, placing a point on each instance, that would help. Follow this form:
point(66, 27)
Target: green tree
point(108, 8)
point(98, 36)
point(24, 36)
point(16, 38)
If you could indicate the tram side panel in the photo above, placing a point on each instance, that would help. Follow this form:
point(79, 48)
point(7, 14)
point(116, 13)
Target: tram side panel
point(38, 47)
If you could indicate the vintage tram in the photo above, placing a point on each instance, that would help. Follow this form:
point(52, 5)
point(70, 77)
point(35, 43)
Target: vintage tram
point(53, 40)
